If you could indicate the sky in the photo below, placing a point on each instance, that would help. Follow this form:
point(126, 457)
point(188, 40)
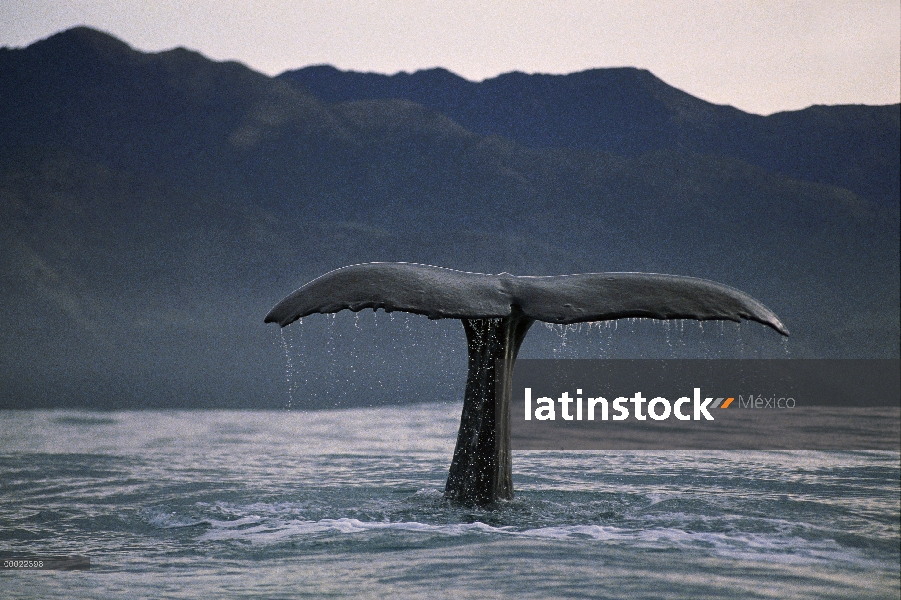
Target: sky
point(762, 56)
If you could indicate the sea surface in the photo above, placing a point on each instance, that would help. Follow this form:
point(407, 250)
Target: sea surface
point(348, 503)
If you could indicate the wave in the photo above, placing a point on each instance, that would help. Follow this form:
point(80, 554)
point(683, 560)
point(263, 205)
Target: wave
point(781, 547)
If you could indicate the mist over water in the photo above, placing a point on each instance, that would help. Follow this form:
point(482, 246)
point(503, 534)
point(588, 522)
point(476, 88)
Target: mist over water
point(347, 500)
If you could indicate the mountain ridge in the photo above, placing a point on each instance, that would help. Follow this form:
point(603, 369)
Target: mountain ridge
point(651, 115)
point(153, 207)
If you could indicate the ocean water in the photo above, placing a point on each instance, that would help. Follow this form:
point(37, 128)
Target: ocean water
point(348, 503)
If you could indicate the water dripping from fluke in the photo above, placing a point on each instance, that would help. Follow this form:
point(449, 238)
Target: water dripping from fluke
point(291, 371)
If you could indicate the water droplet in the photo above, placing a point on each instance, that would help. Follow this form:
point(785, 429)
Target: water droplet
point(290, 370)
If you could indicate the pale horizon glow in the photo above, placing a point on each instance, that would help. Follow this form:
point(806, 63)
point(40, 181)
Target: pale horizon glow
point(760, 56)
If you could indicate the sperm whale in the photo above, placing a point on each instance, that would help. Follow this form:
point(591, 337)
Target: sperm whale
point(497, 312)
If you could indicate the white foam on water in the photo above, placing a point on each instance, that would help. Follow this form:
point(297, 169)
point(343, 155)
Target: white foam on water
point(781, 545)
point(275, 532)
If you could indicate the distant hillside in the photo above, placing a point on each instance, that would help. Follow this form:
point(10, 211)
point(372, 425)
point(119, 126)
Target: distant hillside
point(153, 207)
point(630, 111)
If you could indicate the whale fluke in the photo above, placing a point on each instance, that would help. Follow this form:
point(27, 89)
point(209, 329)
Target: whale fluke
point(497, 311)
point(440, 293)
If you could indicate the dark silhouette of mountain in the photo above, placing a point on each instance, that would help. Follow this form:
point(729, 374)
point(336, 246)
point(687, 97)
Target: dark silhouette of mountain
point(630, 111)
point(153, 207)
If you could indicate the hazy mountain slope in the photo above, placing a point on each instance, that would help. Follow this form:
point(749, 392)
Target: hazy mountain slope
point(154, 206)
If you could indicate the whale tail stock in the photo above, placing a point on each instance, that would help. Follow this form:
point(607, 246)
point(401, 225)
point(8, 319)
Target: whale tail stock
point(481, 471)
point(497, 312)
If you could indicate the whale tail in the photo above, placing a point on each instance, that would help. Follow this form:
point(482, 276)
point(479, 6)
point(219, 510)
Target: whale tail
point(497, 311)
